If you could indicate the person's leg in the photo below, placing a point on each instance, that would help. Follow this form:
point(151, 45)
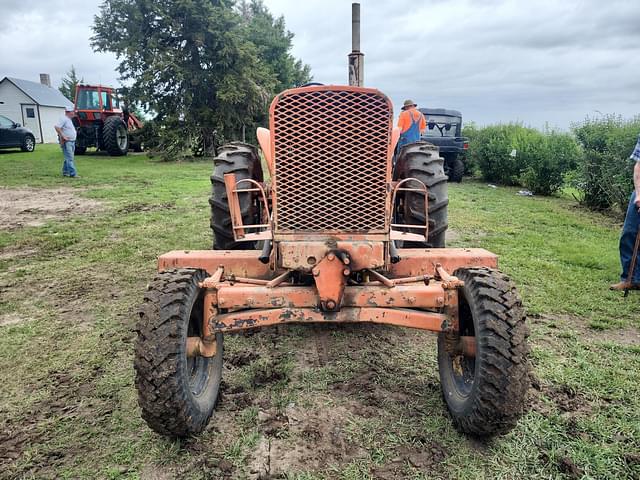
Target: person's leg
point(65, 168)
point(628, 240)
point(68, 156)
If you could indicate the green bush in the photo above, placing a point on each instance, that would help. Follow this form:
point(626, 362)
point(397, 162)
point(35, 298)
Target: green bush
point(547, 158)
point(470, 130)
point(516, 155)
point(490, 150)
point(604, 175)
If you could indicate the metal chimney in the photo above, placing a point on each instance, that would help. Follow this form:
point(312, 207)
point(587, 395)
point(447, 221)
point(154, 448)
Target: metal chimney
point(356, 57)
point(45, 79)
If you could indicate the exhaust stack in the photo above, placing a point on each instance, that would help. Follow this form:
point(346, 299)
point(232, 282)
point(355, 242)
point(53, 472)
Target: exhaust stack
point(356, 57)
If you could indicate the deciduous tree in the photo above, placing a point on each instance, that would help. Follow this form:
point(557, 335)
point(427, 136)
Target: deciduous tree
point(191, 63)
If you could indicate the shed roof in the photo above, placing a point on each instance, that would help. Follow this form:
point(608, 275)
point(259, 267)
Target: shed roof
point(39, 93)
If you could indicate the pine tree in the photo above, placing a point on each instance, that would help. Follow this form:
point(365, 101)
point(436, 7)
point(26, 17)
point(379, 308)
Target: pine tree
point(69, 84)
point(273, 43)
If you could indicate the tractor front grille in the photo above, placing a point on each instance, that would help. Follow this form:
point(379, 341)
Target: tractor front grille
point(331, 146)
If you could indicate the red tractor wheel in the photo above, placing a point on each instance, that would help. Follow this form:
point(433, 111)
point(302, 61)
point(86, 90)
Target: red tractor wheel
point(115, 137)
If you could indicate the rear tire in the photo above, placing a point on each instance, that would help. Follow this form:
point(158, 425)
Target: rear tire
point(486, 394)
point(243, 160)
point(456, 169)
point(421, 160)
point(177, 394)
point(115, 136)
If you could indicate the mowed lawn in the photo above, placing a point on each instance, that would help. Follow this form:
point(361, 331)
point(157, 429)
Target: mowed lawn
point(354, 402)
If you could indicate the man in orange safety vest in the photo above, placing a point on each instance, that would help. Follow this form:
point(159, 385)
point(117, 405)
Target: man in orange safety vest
point(411, 122)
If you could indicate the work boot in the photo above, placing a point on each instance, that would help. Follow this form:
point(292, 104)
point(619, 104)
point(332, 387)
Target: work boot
point(620, 286)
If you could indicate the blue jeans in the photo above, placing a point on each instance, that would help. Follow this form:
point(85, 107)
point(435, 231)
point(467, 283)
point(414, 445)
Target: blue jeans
point(628, 240)
point(68, 150)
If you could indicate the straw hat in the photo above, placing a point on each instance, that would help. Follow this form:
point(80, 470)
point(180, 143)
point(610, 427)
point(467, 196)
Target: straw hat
point(408, 103)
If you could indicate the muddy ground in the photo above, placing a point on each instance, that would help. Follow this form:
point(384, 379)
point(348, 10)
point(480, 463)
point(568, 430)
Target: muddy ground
point(293, 399)
point(33, 207)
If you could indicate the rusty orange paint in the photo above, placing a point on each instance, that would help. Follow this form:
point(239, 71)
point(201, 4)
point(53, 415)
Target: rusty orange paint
point(243, 263)
point(330, 276)
point(305, 255)
point(410, 236)
point(431, 296)
point(234, 205)
point(255, 189)
point(264, 139)
point(329, 235)
point(317, 152)
point(236, 321)
point(423, 261)
point(395, 136)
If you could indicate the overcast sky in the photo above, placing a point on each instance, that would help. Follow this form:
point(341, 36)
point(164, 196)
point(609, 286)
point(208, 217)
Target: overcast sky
point(533, 61)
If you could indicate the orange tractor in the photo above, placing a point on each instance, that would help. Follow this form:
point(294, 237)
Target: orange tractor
point(102, 123)
point(340, 234)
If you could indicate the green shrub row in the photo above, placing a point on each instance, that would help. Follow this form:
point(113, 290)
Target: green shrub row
point(593, 159)
point(516, 155)
point(604, 175)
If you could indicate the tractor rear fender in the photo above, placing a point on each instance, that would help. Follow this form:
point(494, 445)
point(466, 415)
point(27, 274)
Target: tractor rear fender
point(264, 139)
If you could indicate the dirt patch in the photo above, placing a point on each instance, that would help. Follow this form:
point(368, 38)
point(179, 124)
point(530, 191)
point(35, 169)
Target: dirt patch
point(151, 472)
point(13, 253)
point(564, 398)
point(69, 400)
point(451, 235)
point(302, 439)
point(144, 207)
point(425, 458)
point(240, 359)
point(267, 373)
point(623, 336)
point(569, 468)
point(10, 319)
point(32, 207)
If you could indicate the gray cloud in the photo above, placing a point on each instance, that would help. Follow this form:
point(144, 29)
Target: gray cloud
point(496, 60)
point(38, 36)
point(536, 62)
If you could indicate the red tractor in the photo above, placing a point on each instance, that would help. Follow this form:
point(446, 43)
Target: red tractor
point(101, 123)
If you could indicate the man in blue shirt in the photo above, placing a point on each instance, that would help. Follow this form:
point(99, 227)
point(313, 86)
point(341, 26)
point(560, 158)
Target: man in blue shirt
point(67, 137)
point(630, 231)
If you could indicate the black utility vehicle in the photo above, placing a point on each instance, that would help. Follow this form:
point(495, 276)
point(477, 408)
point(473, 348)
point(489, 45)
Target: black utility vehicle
point(12, 134)
point(443, 130)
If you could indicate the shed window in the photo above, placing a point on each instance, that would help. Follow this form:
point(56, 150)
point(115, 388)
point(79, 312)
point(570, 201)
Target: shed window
point(31, 113)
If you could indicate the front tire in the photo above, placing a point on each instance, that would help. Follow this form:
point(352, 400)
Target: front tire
point(115, 136)
point(28, 144)
point(486, 394)
point(177, 394)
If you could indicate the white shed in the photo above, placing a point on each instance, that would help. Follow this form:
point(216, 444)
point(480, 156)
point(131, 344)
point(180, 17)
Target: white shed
point(35, 105)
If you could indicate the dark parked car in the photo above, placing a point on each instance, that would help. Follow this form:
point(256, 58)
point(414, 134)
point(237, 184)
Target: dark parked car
point(443, 130)
point(12, 134)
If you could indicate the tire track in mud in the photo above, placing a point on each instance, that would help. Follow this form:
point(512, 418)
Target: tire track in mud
point(315, 434)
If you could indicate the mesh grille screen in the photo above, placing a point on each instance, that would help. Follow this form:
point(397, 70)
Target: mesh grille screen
point(330, 150)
